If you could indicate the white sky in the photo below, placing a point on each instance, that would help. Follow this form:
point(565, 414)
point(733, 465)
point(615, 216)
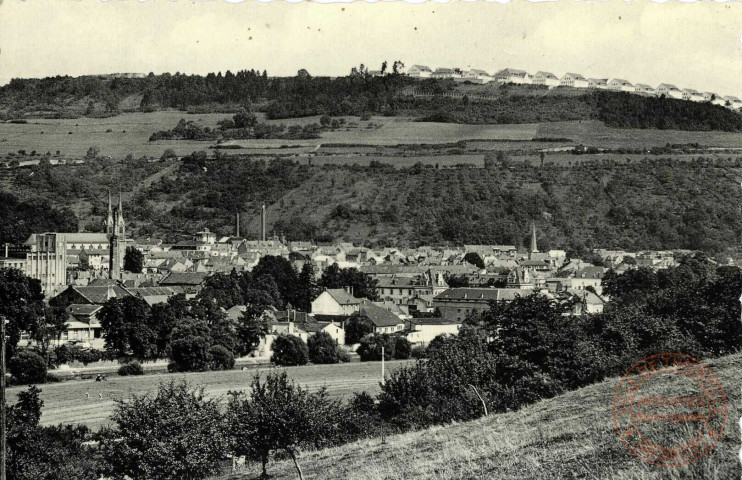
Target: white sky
point(695, 45)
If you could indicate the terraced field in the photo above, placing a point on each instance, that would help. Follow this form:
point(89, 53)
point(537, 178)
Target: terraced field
point(66, 402)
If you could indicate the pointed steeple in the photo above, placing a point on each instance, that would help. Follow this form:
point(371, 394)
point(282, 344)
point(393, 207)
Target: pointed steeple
point(109, 218)
point(534, 246)
point(120, 225)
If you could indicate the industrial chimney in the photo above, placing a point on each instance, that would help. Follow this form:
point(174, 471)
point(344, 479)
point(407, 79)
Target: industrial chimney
point(238, 226)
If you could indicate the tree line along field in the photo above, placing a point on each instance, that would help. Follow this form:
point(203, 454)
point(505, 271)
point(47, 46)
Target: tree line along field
point(66, 402)
point(568, 436)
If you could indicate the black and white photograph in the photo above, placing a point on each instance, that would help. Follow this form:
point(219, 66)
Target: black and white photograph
point(383, 240)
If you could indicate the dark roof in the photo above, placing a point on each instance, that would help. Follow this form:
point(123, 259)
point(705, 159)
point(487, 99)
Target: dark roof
point(435, 321)
point(101, 294)
point(343, 297)
point(184, 278)
point(294, 316)
point(83, 309)
point(481, 294)
point(379, 316)
point(330, 318)
point(312, 327)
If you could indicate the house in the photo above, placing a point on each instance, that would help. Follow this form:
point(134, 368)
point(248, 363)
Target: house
point(512, 75)
point(692, 95)
point(669, 91)
point(709, 96)
point(401, 289)
point(446, 73)
point(92, 294)
point(599, 83)
point(588, 302)
point(546, 78)
point(83, 327)
point(335, 330)
point(335, 301)
point(459, 303)
point(189, 283)
point(423, 330)
point(574, 80)
point(732, 102)
point(620, 85)
point(419, 71)
point(587, 277)
point(476, 76)
point(644, 88)
point(383, 320)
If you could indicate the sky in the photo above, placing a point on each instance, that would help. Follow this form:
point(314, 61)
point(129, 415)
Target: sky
point(692, 45)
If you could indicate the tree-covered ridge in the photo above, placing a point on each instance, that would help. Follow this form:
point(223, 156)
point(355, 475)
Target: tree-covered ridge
point(355, 94)
point(20, 219)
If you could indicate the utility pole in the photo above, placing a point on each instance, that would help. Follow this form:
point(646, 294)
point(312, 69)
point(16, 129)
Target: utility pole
point(3, 423)
point(383, 377)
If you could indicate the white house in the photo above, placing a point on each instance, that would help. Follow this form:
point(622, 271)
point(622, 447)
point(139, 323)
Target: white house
point(620, 85)
point(669, 91)
point(512, 75)
point(335, 301)
point(424, 330)
point(382, 319)
point(574, 80)
point(709, 96)
point(546, 78)
point(446, 73)
point(476, 76)
point(419, 71)
point(692, 95)
point(333, 329)
point(600, 83)
point(644, 88)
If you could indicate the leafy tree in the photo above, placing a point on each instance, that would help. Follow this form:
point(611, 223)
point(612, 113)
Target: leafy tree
point(133, 260)
point(253, 326)
point(169, 154)
point(356, 328)
point(362, 285)
point(190, 354)
point(370, 348)
point(28, 367)
point(48, 326)
point(307, 286)
point(221, 358)
point(192, 448)
point(125, 325)
point(322, 348)
point(289, 350)
point(279, 416)
point(282, 272)
point(93, 153)
point(402, 348)
point(474, 259)
point(21, 303)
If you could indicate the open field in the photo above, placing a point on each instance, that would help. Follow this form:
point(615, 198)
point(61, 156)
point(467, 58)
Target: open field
point(65, 402)
point(570, 436)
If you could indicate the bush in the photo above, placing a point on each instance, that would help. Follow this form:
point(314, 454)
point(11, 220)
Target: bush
point(221, 358)
point(402, 348)
point(343, 356)
point(322, 348)
point(289, 350)
point(28, 367)
point(131, 368)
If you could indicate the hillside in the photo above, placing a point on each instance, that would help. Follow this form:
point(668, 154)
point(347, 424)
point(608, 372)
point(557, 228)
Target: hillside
point(659, 203)
point(569, 436)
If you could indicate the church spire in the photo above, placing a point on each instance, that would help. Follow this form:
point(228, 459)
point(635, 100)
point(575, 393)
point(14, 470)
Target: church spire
point(109, 218)
point(534, 246)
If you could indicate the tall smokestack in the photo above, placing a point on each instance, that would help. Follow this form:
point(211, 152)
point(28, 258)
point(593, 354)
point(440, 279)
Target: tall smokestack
point(238, 226)
point(262, 223)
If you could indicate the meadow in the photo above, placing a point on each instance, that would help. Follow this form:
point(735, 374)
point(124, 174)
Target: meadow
point(569, 436)
point(66, 402)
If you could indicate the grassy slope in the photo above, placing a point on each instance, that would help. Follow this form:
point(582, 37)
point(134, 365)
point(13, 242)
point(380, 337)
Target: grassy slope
point(570, 436)
point(65, 402)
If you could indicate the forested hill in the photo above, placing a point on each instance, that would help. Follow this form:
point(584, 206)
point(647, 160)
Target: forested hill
point(651, 204)
point(354, 94)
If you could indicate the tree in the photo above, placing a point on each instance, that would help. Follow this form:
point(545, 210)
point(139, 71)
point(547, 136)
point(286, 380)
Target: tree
point(371, 345)
point(169, 154)
point(283, 273)
point(93, 153)
point(21, 303)
point(28, 367)
point(280, 416)
point(124, 323)
point(253, 326)
point(361, 284)
point(357, 327)
point(307, 286)
point(192, 448)
point(474, 259)
point(289, 350)
point(402, 348)
point(49, 326)
point(133, 260)
point(190, 354)
point(322, 348)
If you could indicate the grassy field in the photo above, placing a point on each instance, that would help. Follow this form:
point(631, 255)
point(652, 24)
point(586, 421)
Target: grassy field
point(66, 402)
point(570, 436)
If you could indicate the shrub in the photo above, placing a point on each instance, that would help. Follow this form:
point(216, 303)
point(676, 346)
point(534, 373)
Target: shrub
point(289, 350)
point(221, 358)
point(343, 356)
point(402, 348)
point(322, 348)
point(28, 367)
point(131, 368)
